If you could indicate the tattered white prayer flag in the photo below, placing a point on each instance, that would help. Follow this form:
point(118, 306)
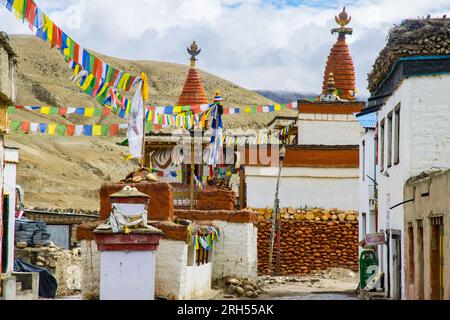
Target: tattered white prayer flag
point(136, 124)
point(71, 110)
point(123, 126)
point(79, 130)
point(34, 127)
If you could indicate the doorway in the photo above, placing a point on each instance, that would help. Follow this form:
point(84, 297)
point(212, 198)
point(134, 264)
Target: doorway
point(437, 258)
point(396, 265)
point(5, 242)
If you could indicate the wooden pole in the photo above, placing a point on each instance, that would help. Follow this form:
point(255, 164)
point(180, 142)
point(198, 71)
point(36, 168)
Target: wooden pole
point(242, 188)
point(192, 172)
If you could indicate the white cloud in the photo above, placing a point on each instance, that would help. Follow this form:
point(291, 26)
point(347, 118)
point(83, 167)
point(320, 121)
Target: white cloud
point(251, 42)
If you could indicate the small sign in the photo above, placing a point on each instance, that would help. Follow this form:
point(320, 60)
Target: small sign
point(375, 239)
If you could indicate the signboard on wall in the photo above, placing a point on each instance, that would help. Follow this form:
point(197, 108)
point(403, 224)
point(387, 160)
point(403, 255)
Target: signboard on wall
point(375, 239)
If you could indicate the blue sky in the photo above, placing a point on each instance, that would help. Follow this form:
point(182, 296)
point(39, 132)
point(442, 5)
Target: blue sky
point(258, 44)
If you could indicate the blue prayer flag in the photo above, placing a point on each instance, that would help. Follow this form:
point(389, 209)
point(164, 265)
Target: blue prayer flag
point(88, 130)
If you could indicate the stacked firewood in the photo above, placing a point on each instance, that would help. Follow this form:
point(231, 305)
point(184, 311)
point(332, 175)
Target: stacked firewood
point(413, 37)
point(311, 240)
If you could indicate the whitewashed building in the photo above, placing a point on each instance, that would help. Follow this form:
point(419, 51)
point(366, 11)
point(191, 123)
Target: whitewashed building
point(413, 127)
point(321, 168)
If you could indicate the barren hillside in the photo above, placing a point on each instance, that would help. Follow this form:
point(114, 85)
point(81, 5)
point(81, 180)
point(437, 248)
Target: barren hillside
point(66, 172)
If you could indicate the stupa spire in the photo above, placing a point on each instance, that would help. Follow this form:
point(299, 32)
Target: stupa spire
point(193, 91)
point(340, 62)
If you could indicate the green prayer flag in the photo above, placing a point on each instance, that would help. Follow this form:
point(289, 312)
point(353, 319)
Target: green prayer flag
point(11, 110)
point(15, 125)
point(61, 130)
point(185, 109)
point(283, 106)
point(254, 109)
point(149, 127)
point(105, 129)
point(72, 48)
point(54, 110)
point(98, 112)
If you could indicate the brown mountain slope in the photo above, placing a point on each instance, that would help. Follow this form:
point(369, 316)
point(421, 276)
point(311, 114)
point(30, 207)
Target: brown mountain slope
point(66, 172)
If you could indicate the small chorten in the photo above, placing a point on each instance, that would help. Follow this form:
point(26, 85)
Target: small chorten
point(330, 95)
point(193, 91)
point(340, 62)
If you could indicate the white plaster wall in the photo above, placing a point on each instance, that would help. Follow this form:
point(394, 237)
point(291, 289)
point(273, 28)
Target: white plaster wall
point(366, 186)
point(328, 129)
point(90, 264)
point(237, 252)
point(171, 265)
point(424, 143)
point(175, 280)
point(198, 281)
point(11, 161)
point(127, 275)
point(321, 187)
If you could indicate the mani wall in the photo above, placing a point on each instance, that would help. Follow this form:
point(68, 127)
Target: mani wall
point(311, 240)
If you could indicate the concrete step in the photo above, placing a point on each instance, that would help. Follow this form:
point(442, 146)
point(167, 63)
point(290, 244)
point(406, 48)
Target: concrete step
point(211, 295)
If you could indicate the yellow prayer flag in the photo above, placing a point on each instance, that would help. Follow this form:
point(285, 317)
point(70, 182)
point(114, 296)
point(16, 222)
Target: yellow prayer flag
point(87, 82)
point(145, 94)
point(89, 112)
point(45, 110)
point(18, 9)
point(48, 27)
point(67, 49)
point(248, 110)
point(277, 107)
point(97, 130)
point(52, 129)
point(77, 70)
point(177, 109)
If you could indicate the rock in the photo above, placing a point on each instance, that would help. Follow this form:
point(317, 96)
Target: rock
point(137, 179)
point(233, 281)
point(39, 264)
point(341, 217)
point(351, 217)
point(248, 288)
point(239, 291)
point(151, 177)
point(310, 216)
point(251, 294)
point(334, 217)
point(21, 245)
point(231, 289)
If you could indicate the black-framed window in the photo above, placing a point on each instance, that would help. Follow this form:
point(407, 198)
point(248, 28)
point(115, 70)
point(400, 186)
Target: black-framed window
point(389, 139)
point(397, 135)
point(381, 141)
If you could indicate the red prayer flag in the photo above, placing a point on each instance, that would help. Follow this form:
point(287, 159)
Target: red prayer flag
point(25, 126)
point(157, 127)
point(76, 53)
point(259, 109)
point(62, 111)
point(70, 130)
point(289, 105)
point(114, 129)
point(30, 13)
point(106, 111)
point(19, 107)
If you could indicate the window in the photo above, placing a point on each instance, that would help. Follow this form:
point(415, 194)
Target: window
point(363, 164)
point(389, 142)
point(381, 140)
point(397, 136)
point(363, 225)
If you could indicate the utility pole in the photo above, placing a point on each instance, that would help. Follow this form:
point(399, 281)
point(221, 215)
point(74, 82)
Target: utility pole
point(276, 219)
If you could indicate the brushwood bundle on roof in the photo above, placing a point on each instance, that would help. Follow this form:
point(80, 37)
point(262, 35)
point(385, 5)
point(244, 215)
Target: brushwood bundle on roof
point(413, 37)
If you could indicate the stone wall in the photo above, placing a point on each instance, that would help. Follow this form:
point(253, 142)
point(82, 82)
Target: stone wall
point(90, 275)
point(65, 265)
point(311, 240)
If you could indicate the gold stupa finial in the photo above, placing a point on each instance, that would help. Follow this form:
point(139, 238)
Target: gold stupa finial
point(343, 19)
point(331, 84)
point(194, 51)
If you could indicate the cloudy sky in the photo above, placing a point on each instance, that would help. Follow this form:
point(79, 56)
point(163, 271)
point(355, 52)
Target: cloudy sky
point(258, 44)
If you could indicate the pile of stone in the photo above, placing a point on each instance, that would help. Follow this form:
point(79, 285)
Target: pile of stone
point(413, 37)
point(65, 211)
point(312, 214)
point(31, 233)
point(141, 175)
point(216, 198)
point(235, 287)
point(311, 240)
point(65, 265)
